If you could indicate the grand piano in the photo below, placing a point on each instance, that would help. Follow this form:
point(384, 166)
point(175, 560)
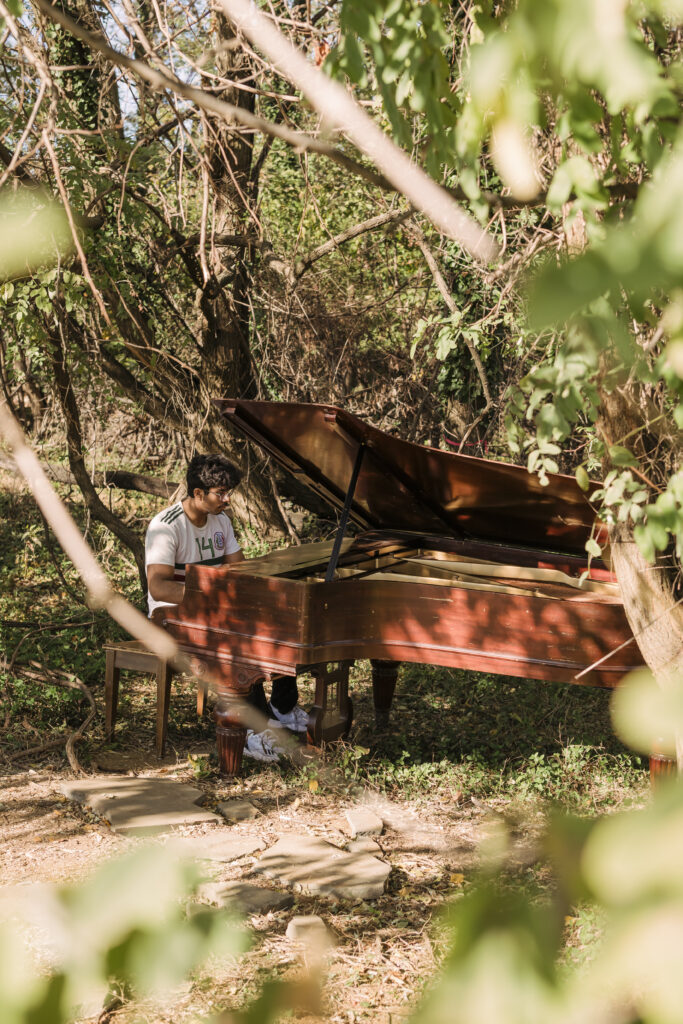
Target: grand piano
point(438, 558)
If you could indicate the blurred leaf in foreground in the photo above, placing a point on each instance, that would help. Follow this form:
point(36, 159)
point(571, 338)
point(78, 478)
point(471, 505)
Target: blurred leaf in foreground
point(647, 716)
point(34, 231)
point(128, 929)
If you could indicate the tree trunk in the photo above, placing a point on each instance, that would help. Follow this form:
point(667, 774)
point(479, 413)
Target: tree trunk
point(226, 299)
point(649, 592)
point(74, 437)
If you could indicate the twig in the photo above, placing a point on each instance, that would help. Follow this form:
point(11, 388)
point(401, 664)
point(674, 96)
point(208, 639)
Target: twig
point(646, 479)
point(23, 623)
point(40, 628)
point(281, 509)
point(40, 749)
point(85, 269)
point(70, 682)
point(453, 310)
point(78, 598)
point(626, 642)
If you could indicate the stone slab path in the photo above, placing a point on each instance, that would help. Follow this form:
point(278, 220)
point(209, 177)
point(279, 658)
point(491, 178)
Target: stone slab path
point(245, 898)
point(238, 810)
point(218, 845)
point(319, 867)
point(141, 806)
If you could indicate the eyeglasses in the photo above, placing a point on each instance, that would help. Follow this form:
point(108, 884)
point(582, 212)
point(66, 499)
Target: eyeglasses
point(222, 494)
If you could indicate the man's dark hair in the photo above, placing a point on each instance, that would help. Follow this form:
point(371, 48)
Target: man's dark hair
point(207, 471)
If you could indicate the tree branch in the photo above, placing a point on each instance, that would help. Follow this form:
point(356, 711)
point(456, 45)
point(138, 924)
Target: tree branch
point(121, 478)
point(67, 399)
point(340, 110)
point(27, 179)
point(69, 536)
point(440, 283)
point(392, 216)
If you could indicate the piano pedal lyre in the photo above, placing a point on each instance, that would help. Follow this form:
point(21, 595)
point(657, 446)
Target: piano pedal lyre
point(332, 712)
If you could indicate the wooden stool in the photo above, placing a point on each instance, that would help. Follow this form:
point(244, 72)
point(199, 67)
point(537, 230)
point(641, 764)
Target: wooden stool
point(132, 656)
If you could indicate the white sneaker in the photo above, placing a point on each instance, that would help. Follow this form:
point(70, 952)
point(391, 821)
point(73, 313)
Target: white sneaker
point(296, 719)
point(263, 746)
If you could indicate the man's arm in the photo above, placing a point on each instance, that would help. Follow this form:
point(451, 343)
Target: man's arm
point(162, 586)
point(236, 556)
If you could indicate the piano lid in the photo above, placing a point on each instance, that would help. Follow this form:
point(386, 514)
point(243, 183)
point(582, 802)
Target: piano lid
point(406, 486)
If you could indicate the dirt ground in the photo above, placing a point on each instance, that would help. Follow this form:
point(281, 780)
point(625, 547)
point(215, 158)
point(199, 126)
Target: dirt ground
point(386, 949)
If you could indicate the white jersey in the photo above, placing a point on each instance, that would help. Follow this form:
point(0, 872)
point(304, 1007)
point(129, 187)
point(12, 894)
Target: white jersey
point(172, 539)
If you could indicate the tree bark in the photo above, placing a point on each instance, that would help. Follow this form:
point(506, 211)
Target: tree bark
point(229, 152)
point(651, 593)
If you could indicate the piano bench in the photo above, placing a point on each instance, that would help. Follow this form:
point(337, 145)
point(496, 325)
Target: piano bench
point(132, 656)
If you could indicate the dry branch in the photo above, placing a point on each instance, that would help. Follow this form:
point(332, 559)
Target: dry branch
point(390, 217)
point(120, 478)
point(70, 682)
point(447, 297)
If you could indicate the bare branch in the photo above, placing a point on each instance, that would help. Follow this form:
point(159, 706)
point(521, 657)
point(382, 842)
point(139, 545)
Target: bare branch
point(392, 216)
point(120, 478)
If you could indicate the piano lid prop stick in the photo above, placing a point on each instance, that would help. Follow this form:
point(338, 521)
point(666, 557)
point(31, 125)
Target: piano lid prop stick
point(336, 548)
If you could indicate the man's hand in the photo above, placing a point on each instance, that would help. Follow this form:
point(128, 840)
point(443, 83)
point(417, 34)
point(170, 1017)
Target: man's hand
point(162, 586)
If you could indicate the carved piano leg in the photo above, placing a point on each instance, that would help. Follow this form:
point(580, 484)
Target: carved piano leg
point(231, 735)
point(232, 680)
point(384, 675)
point(332, 713)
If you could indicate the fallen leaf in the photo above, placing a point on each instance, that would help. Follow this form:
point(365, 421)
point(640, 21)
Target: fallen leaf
point(313, 785)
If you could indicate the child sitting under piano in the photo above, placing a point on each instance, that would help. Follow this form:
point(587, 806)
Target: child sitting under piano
point(197, 530)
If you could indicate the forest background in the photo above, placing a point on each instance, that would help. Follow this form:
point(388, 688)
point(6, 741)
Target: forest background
point(217, 235)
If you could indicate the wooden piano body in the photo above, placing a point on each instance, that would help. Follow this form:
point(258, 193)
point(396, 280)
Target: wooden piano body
point(458, 561)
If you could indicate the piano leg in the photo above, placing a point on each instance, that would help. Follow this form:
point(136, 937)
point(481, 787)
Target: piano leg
point(661, 769)
point(332, 713)
point(231, 735)
point(384, 675)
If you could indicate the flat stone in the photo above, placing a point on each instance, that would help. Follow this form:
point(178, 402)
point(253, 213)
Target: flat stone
point(114, 761)
point(363, 845)
point(311, 930)
point(140, 806)
point(238, 810)
point(245, 898)
point(362, 822)
point(217, 845)
point(316, 866)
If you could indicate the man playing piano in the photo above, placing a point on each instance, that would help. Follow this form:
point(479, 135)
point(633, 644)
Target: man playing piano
point(197, 530)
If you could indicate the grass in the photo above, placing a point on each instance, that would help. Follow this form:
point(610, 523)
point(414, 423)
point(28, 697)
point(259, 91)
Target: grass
point(491, 737)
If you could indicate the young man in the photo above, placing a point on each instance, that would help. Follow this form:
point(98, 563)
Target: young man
point(197, 531)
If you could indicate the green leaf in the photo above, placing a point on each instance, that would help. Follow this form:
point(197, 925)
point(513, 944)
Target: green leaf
point(582, 478)
point(593, 548)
